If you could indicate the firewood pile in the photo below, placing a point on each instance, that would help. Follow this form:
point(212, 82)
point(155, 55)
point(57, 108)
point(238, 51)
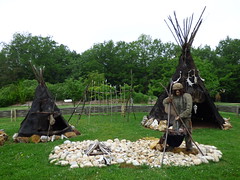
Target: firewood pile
point(43, 138)
point(227, 124)
point(154, 123)
point(3, 137)
point(162, 125)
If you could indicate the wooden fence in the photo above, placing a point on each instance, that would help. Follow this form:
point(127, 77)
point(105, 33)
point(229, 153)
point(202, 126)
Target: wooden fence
point(14, 113)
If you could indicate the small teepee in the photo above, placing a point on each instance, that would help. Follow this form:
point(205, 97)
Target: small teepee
point(44, 117)
point(204, 111)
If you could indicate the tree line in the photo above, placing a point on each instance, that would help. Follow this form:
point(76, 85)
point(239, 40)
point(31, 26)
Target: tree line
point(143, 64)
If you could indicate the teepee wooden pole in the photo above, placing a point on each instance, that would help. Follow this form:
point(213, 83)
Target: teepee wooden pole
point(168, 122)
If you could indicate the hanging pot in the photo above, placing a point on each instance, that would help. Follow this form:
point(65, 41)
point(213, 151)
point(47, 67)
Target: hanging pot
point(176, 137)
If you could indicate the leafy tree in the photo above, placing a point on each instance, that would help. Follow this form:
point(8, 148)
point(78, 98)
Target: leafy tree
point(6, 75)
point(41, 51)
point(144, 64)
point(228, 68)
point(205, 53)
point(208, 73)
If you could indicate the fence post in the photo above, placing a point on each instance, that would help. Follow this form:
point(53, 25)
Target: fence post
point(13, 114)
point(237, 111)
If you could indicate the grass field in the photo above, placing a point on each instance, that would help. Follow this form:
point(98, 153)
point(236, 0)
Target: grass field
point(30, 161)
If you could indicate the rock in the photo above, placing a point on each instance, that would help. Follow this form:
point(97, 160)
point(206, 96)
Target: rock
point(70, 134)
point(96, 163)
point(135, 163)
point(22, 140)
point(35, 138)
point(88, 164)
point(74, 166)
point(215, 158)
point(162, 125)
point(53, 161)
point(154, 144)
point(154, 124)
point(53, 156)
point(73, 163)
point(63, 163)
point(15, 135)
point(67, 142)
point(209, 158)
point(120, 160)
point(63, 156)
point(204, 159)
point(197, 161)
point(149, 122)
point(56, 148)
point(44, 138)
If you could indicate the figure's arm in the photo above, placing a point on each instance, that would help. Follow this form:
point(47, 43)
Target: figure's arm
point(187, 112)
point(167, 100)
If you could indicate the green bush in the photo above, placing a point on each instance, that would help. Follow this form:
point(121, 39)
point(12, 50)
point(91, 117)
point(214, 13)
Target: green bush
point(140, 98)
point(57, 90)
point(8, 95)
point(25, 90)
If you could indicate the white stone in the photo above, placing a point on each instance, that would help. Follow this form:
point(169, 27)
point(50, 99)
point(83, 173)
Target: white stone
point(209, 158)
point(197, 161)
point(74, 166)
point(53, 161)
point(63, 163)
point(73, 163)
point(89, 164)
point(135, 163)
point(129, 161)
point(95, 163)
point(215, 158)
point(67, 142)
point(63, 156)
point(56, 148)
point(120, 160)
point(204, 159)
point(53, 156)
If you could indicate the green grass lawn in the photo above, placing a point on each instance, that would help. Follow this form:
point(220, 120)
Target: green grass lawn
point(30, 161)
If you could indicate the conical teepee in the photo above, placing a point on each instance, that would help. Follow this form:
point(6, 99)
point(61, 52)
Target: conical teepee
point(204, 111)
point(44, 117)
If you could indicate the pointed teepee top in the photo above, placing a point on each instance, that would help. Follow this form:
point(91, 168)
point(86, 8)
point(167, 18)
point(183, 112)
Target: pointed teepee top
point(182, 33)
point(38, 74)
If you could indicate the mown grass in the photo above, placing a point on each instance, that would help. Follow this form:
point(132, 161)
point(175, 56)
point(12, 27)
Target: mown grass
point(30, 161)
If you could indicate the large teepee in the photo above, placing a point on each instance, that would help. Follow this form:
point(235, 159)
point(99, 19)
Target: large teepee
point(44, 117)
point(204, 111)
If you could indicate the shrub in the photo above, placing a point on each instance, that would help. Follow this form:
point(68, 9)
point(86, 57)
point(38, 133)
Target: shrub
point(25, 90)
point(140, 98)
point(57, 90)
point(8, 95)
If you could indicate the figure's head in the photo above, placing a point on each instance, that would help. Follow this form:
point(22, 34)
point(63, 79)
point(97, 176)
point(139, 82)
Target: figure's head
point(177, 89)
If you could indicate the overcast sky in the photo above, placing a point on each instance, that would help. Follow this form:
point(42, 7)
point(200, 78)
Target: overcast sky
point(79, 24)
